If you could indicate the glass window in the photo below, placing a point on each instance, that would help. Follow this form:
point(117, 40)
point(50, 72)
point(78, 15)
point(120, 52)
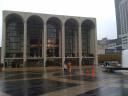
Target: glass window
point(34, 33)
point(14, 37)
point(52, 39)
point(71, 34)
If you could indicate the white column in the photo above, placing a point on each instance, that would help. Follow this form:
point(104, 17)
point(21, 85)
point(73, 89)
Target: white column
point(3, 43)
point(63, 45)
point(25, 45)
point(80, 45)
point(45, 44)
point(95, 43)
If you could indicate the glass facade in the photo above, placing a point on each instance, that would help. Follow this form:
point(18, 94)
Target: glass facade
point(86, 29)
point(85, 39)
point(53, 32)
point(38, 62)
point(34, 36)
point(13, 63)
point(71, 38)
point(54, 62)
point(50, 40)
point(14, 37)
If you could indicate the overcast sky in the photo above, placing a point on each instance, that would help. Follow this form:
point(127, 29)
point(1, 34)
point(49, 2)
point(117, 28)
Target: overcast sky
point(102, 10)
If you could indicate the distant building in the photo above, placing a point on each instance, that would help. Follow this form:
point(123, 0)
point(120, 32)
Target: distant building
point(106, 46)
point(109, 50)
point(121, 7)
point(117, 2)
point(40, 40)
point(101, 46)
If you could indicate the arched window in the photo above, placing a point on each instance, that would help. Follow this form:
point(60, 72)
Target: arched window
point(71, 38)
point(34, 36)
point(14, 36)
point(88, 39)
point(86, 28)
point(53, 34)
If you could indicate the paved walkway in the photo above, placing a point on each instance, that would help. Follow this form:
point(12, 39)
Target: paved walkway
point(88, 81)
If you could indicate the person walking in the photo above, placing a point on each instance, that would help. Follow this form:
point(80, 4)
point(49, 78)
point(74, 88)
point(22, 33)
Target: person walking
point(70, 66)
point(65, 66)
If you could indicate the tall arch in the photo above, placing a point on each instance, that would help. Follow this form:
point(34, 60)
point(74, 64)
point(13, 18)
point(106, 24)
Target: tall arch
point(71, 38)
point(14, 36)
point(53, 37)
point(87, 27)
point(34, 36)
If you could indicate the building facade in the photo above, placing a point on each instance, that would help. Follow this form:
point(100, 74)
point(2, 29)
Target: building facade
point(108, 46)
point(40, 40)
point(102, 45)
point(122, 21)
point(109, 51)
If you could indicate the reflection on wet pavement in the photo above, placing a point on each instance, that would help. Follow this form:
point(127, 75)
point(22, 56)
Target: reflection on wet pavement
point(80, 78)
point(20, 76)
point(33, 87)
point(111, 91)
point(61, 83)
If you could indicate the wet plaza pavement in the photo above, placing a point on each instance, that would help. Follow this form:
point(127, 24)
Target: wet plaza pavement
point(59, 83)
point(33, 87)
point(110, 91)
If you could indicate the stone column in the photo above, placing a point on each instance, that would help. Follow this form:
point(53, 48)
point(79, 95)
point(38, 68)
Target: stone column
point(45, 44)
point(95, 43)
point(63, 44)
point(80, 45)
point(25, 44)
point(3, 50)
